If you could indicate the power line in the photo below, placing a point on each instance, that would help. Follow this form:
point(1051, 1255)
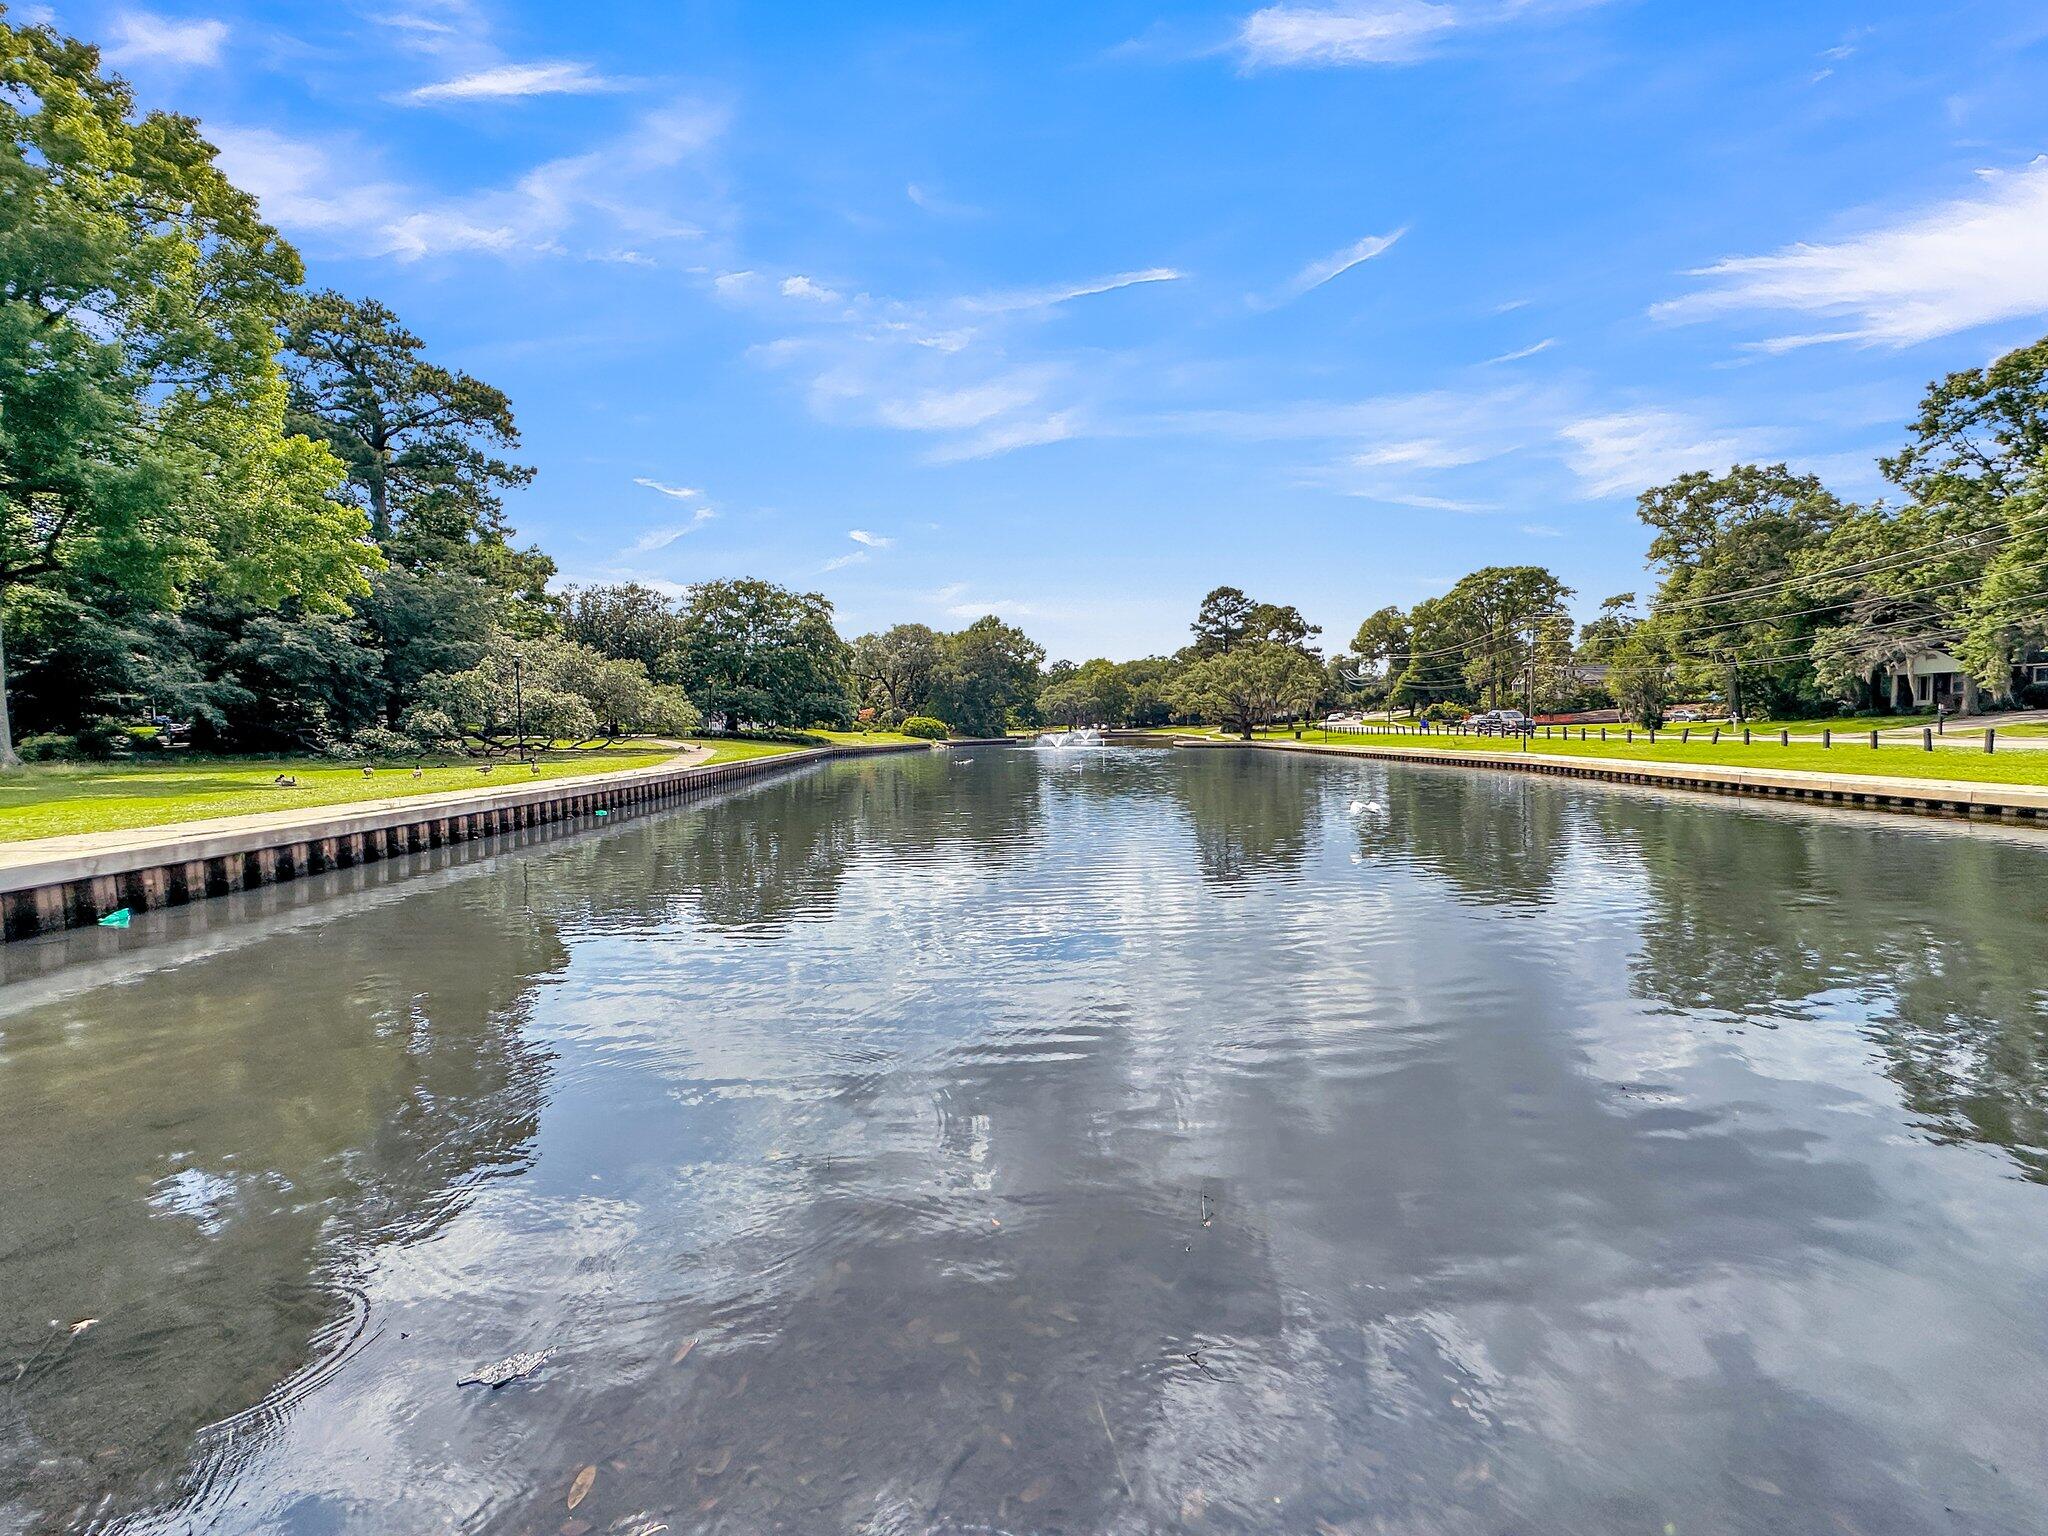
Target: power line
point(1854, 568)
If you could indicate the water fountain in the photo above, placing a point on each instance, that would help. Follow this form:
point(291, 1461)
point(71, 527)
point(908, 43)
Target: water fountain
point(1081, 736)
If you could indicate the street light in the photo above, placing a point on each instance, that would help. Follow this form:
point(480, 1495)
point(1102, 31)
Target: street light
point(519, 700)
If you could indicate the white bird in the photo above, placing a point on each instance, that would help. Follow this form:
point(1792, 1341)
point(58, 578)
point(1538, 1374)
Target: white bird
point(1359, 807)
point(962, 762)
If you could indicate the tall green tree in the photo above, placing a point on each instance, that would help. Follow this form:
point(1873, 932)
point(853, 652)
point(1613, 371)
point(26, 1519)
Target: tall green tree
point(990, 675)
point(1221, 621)
point(627, 621)
point(896, 670)
point(1249, 686)
point(757, 654)
point(1497, 614)
point(1728, 549)
point(1976, 467)
point(142, 440)
point(422, 444)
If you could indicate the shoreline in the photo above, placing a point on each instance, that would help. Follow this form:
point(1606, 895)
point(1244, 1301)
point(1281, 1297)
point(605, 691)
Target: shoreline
point(50, 885)
point(2017, 804)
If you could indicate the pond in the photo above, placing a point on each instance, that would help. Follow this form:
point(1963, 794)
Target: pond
point(1077, 1141)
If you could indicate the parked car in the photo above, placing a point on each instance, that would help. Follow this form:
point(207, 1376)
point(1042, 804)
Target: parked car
point(1501, 722)
point(1685, 717)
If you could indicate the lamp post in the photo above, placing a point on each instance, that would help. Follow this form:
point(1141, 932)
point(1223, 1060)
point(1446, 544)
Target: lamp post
point(519, 700)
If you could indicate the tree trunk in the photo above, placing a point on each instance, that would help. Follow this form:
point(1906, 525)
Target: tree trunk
point(8, 759)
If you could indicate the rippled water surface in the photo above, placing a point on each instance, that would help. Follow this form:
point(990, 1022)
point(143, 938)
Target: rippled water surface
point(1099, 1141)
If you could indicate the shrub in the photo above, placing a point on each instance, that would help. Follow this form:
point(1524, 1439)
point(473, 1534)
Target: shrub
point(100, 739)
point(382, 741)
point(924, 728)
point(1445, 714)
point(50, 747)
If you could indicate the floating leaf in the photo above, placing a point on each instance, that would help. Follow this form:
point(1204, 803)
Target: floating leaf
point(580, 1489)
point(81, 1325)
point(511, 1368)
point(1760, 1485)
point(716, 1464)
point(946, 1338)
point(1037, 1489)
point(1193, 1505)
point(682, 1354)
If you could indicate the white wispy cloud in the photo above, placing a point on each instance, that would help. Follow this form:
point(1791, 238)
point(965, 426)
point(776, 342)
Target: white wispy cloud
point(1368, 32)
point(801, 287)
point(1006, 437)
point(661, 538)
point(872, 540)
point(841, 562)
point(960, 368)
point(589, 206)
point(1317, 273)
point(1975, 260)
point(1046, 298)
point(1628, 450)
point(510, 81)
point(1542, 531)
point(144, 37)
point(939, 206)
point(956, 410)
point(1374, 32)
point(680, 492)
point(1521, 352)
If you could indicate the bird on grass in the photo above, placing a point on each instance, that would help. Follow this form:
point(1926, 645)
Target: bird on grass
point(418, 769)
point(369, 773)
point(286, 781)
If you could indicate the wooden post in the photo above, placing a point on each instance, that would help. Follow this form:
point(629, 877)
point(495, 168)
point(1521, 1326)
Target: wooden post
point(1873, 741)
point(1827, 737)
point(1745, 735)
point(1990, 738)
point(1926, 738)
point(1784, 738)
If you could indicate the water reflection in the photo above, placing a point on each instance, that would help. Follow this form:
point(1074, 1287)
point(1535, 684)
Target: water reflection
point(201, 1159)
point(1931, 942)
point(1150, 1142)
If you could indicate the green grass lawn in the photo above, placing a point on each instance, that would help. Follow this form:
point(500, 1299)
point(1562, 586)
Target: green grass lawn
point(727, 751)
point(56, 799)
point(1896, 759)
point(869, 738)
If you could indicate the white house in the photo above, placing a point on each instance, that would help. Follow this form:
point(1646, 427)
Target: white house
point(1935, 681)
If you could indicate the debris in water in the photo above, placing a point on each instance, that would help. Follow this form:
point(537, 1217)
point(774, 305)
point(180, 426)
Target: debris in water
point(962, 762)
point(511, 1368)
point(1103, 1414)
point(118, 918)
point(601, 811)
point(682, 1354)
point(81, 1325)
point(580, 1489)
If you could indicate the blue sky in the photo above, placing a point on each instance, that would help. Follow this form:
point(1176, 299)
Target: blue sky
point(1072, 313)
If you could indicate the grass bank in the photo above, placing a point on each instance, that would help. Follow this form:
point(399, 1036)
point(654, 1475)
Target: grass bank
point(1893, 759)
point(62, 799)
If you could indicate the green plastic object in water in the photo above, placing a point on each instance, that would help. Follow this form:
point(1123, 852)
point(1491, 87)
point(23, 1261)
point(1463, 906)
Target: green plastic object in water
point(118, 918)
point(602, 811)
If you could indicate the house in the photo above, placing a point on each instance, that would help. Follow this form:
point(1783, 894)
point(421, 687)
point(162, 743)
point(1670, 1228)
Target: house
point(1936, 680)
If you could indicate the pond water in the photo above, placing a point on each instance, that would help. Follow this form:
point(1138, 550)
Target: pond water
point(1093, 1141)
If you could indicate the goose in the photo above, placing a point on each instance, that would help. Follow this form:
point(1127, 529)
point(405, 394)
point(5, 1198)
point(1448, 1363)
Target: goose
point(286, 781)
